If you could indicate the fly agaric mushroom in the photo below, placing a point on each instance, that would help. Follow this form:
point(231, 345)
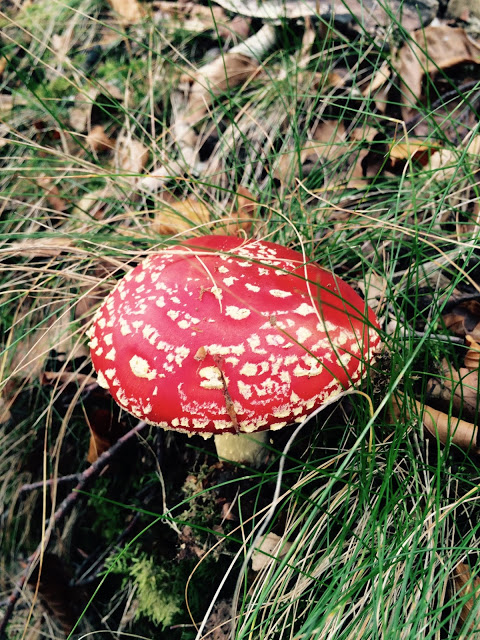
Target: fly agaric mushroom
point(225, 336)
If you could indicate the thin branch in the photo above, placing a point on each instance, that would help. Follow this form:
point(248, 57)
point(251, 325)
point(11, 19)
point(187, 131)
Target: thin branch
point(51, 481)
point(63, 510)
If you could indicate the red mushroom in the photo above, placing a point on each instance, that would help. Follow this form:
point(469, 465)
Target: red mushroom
point(220, 335)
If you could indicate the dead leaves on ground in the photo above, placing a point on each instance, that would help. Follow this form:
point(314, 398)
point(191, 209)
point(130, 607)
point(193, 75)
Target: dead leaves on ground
point(188, 215)
point(467, 590)
point(429, 51)
point(129, 11)
point(455, 396)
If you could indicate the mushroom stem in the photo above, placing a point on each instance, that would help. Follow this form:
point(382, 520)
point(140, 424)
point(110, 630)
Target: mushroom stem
point(242, 447)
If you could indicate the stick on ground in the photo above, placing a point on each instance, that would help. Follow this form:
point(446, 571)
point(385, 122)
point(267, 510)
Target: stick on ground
point(63, 510)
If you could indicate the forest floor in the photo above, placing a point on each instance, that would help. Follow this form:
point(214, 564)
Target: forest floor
point(347, 130)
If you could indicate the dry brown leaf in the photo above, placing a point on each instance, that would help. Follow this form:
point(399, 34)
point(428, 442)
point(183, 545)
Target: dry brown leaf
point(131, 156)
point(472, 357)
point(218, 625)
point(358, 174)
point(52, 194)
point(105, 429)
point(270, 545)
point(226, 71)
point(465, 584)
point(445, 162)
point(129, 11)
point(237, 28)
point(97, 446)
point(463, 9)
point(183, 215)
point(382, 74)
point(328, 143)
point(460, 387)
point(431, 49)
point(98, 140)
point(92, 107)
point(449, 429)
point(464, 319)
point(412, 149)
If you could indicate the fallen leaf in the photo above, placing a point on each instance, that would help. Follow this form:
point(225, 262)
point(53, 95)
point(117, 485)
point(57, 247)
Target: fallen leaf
point(52, 194)
point(219, 621)
point(95, 106)
point(131, 156)
point(472, 357)
point(270, 545)
point(449, 429)
point(105, 428)
point(328, 142)
point(413, 149)
point(156, 179)
point(129, 11)
point(381, 75)
point(462, 9)
point(461, 388)
point(467, 585)
point(182, 215)
point(98, 140)
point(366, 162)
point(464, 319)
point(429, 50)
point(444, 163)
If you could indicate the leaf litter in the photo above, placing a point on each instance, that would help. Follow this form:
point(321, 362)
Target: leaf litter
point(113, 155)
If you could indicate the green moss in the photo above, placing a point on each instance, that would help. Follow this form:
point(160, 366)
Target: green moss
point(158, 587)
point(60, 87)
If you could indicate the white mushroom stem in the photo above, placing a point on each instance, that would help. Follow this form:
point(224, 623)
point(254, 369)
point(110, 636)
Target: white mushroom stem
point(242, 447)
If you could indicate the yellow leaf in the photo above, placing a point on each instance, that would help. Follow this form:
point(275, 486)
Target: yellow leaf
point(184, 215)
point(415, 149)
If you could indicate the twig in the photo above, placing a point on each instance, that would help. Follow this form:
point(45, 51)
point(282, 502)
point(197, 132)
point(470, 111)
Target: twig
point(48, 483)
point(63, 510)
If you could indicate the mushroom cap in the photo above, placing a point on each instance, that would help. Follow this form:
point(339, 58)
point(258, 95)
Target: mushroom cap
point(220, 334)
